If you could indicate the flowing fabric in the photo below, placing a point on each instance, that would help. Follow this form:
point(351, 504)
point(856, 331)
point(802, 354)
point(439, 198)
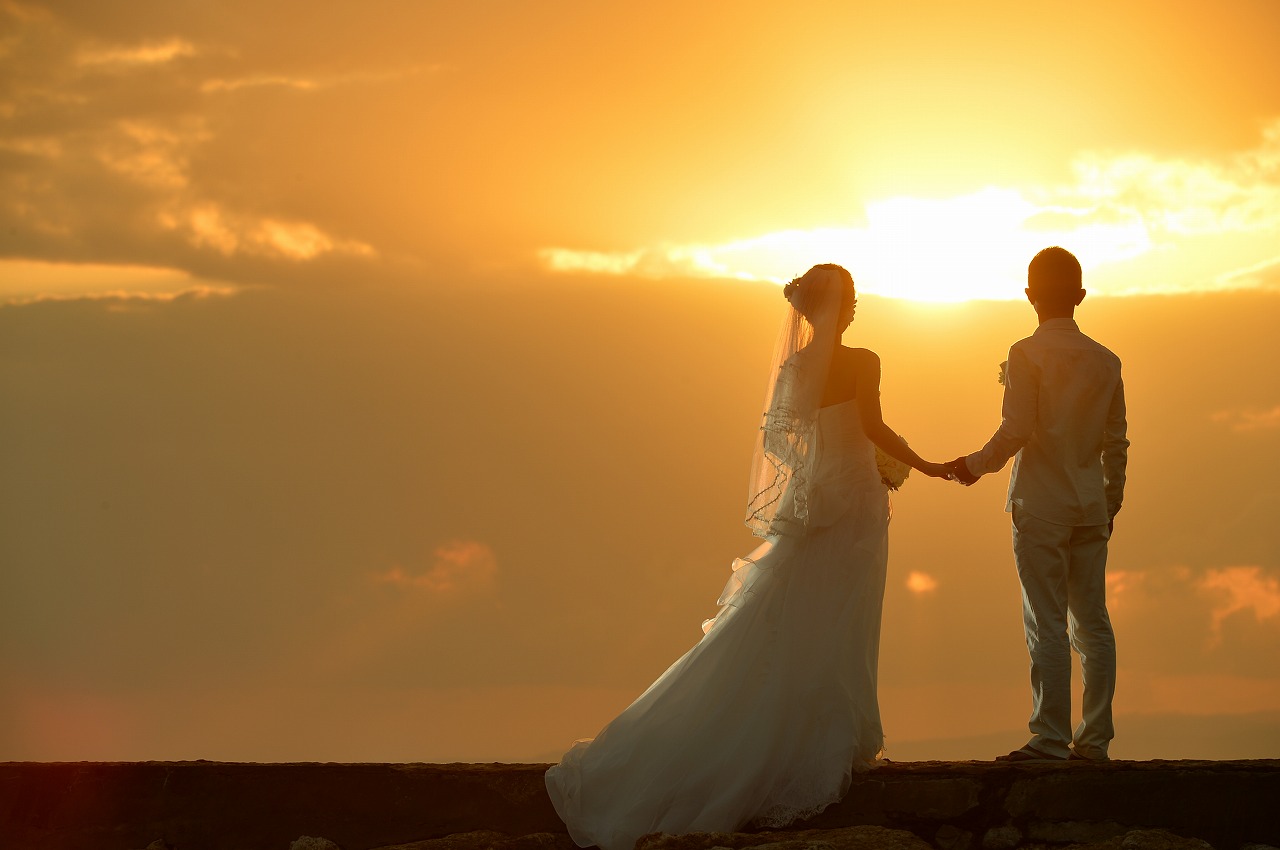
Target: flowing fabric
point(765, 718)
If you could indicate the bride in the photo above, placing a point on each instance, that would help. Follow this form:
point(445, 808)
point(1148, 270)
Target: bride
point(765, 718)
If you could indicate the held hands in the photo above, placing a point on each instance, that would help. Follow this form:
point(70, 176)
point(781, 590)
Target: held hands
point(956, 470)
point(937, 470)
point(959, 471)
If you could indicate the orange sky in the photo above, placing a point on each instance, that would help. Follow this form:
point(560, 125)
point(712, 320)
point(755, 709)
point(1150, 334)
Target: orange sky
point(379, 378)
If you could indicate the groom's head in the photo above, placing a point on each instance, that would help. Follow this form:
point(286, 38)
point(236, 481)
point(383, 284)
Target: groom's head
point(1054, 282)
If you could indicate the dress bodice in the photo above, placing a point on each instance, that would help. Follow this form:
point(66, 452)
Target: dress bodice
point(845, 465)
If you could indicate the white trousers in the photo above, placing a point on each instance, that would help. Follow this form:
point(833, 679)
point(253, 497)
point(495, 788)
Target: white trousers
point(1064, 606)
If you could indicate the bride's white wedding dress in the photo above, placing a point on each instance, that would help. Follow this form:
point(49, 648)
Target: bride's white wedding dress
point(764, 719)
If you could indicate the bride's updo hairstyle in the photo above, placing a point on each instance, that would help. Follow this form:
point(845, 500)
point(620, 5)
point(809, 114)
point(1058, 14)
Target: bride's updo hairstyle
point(822, 305)
point(805, 292)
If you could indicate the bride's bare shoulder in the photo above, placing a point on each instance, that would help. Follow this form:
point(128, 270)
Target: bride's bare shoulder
point(862, 356)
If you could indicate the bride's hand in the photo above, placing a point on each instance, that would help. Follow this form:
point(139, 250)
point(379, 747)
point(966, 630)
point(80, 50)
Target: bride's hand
point(936, 470)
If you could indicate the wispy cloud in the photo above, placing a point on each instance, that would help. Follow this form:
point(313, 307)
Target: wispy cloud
point(459, 566)
point(312, 83)
point(1239, 589)
point(208, 225)
point(151, 153)
point(1249, 419)
point(1185, 196)
point(149, 53)
point(259, 81)
point(1118, 208)
point(25, 281)
point(1122, 585)
point(1255, 275)
point(24, 11)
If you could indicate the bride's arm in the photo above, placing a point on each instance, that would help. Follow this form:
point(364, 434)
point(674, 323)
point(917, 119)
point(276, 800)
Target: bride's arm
point(867, 372)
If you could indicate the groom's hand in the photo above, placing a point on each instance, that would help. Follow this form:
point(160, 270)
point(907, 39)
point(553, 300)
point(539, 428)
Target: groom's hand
point(960, 470)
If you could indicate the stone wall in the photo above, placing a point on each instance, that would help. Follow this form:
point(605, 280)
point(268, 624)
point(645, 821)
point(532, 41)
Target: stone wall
point(950, 805)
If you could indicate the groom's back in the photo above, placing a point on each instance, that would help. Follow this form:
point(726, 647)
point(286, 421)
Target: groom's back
point(1059, 475)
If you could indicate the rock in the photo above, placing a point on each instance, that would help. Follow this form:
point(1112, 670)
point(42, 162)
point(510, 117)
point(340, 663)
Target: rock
point(489, 840)
point(937, 799)
point(1160, 839)
point(307, 842)
point(846, 838)
point(1135, 839)
point(1074, 832)
point(1002, 838)
point(951, 837)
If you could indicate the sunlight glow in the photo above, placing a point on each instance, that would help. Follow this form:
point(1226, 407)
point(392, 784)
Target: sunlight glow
point(1199, 225)
point(923, 249)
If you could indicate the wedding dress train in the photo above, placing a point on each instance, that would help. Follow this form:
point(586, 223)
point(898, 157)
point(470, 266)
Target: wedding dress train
point(765, 718)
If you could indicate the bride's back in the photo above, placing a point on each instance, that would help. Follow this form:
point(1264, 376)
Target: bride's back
point(842, 379)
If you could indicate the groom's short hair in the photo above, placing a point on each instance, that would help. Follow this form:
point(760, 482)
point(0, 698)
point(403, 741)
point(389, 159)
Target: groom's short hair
point(1054, 275)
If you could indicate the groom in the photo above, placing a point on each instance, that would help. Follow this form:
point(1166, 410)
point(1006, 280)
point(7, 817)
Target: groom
point(1064, 419)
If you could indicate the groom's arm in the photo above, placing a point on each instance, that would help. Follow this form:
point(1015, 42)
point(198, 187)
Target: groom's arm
point(1018, 417)
point(1115, 451)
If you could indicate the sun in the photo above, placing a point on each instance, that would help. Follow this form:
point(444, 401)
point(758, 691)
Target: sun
point(952, 249)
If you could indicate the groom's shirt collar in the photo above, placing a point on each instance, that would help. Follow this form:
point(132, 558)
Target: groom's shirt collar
point(1058, 325)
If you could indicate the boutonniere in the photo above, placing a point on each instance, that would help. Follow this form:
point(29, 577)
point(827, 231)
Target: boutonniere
point(1003, 377)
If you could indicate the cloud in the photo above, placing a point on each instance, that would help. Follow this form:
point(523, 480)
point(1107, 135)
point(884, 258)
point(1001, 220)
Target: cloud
point(1122, 585)
point(1254, 276)
point(151, 53)
point(23, 11)
point(1249, 419)
point(1237, 589)
point(1188, 197)
point(1119, 207)
point(25, 281)
point(259, 81)
point(459, 566)
point(128, 170)
point(152, 154)
point(217, 85)
point(207, 225)
point(931, 249)
point(918, 582)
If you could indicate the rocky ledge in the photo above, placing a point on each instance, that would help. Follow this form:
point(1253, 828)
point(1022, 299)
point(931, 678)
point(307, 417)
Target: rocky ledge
point(1157, 805)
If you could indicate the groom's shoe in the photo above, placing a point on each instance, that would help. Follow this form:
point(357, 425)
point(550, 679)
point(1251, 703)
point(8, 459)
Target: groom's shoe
point(1030, 755)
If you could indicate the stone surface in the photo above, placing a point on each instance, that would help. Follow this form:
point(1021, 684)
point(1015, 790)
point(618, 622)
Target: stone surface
point(220, 806)
point(1138, 839)
point(1074, 831)
point(309, 842)
point(488, 840)
point(228, 806)
point(1002, 838)
point(931, 798)
point(846, 838)
point(950, 837)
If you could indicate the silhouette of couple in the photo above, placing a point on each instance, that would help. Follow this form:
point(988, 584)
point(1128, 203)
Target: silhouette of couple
point(765, 718)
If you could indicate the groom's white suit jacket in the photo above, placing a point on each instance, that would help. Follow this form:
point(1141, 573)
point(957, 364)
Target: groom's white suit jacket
point(1064, 418)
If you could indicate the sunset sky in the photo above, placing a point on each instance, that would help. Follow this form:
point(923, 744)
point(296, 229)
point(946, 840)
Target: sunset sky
point(378, 380)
